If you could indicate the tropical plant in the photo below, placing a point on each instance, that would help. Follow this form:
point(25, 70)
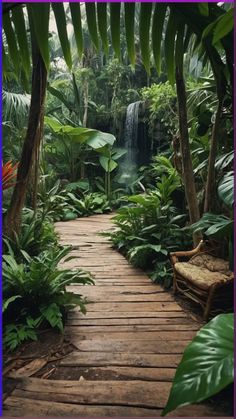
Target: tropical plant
point(207, 366)
point(90, 203)
point(8, 175)
point(109, 163)
point(146, 228)
point(161, 100)
point(34, 292)
point(35, 236)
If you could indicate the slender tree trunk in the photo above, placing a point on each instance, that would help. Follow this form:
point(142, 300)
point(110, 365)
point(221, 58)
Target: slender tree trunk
point(210, 192)
point(86, 92)
point(188, 176)
point(31, 144)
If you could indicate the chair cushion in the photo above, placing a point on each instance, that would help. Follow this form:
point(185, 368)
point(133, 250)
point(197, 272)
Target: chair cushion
point(201, 277)
point(210, 262)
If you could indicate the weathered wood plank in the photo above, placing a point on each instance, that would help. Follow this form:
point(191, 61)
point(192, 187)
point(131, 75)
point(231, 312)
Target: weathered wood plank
point(20, 406)
point(114, 373)
point(140, 335)
point(98, 295)
point(130, 328)
point(127, 314)
point(86, 321)
point(121, 359)
point(133, 346)
point(128, 393)
point(133, 306)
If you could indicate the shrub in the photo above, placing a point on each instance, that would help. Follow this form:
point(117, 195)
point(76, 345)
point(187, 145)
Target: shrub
point(34, 293)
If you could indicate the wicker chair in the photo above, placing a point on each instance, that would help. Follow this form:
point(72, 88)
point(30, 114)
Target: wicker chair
point(204, 279)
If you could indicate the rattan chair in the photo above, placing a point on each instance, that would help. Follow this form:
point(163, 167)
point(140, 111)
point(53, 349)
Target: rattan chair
point(204, 279)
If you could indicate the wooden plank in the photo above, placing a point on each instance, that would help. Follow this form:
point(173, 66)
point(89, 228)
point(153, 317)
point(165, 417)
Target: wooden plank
point(129, 328)
point(98, 295)
point(139, 335)
point(114, 373)
point(128, 393)
point(20, 406)
point(121, 359)
point(133, 346)
point(132, 289)
point(127, 314)
point(84, 321)
point(133, 306)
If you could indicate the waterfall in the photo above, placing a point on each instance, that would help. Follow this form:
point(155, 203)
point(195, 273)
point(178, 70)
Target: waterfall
point(128, 167)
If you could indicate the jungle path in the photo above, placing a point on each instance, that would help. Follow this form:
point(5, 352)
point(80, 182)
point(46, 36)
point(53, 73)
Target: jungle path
point(127, 346)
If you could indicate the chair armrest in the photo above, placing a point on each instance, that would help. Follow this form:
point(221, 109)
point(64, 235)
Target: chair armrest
point(174, 256)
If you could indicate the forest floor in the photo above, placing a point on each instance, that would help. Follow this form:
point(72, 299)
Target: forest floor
point(117, 360)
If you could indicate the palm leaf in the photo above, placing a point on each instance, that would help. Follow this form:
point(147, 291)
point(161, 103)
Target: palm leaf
point(224, 26)
point(11, 41)
point(157, 29)
point(129, 30)
point(144, 30)
point(76, 20)
point(60, 17)
point(226, 189)
point(92, 22)
point(102, 24)
point(170, 46)
point(19, 23)
point(115, 27)
point(40, 17)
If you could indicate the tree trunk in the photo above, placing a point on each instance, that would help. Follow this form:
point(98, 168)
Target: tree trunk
point(210, 192)
point(31, 144)
point(86, 92)
point(188, 176)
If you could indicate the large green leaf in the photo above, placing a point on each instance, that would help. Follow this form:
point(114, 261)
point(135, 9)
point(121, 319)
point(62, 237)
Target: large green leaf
point(214, 225)
point(224, 26)
point(76, 20)
point(102, 24)
point(40, 16)
point(11, 41)
point(107, 163)
point(79, 134)
point(222, 228)
point(115, 27)
point(57, 93)
point(144, 33)
point(170, 45)
point(157, 30)
point(226, 189)
point(129, 30)
point(207, 365)
point(19, 23)
point(99, 139)
point(92, 22)
point(59, 12)
point(95, 139)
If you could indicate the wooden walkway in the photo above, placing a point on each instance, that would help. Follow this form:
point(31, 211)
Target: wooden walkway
point(127, 346)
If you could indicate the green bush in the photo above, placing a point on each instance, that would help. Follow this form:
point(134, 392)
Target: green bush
point(34, 293)
point(150, 228)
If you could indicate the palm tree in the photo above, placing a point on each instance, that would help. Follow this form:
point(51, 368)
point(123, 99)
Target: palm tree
point(209, 24)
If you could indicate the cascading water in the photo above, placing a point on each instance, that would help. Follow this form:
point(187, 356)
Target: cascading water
point(128, 166)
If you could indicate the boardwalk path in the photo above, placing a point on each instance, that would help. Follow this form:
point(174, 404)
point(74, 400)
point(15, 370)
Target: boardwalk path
point(128, 344)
